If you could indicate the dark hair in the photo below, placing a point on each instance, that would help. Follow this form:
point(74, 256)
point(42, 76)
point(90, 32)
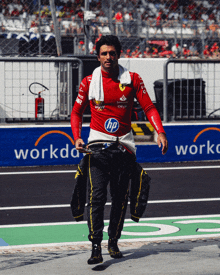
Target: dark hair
point(109, 40)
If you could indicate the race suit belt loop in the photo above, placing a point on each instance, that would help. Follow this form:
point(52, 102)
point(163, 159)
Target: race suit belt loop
point(122, 148)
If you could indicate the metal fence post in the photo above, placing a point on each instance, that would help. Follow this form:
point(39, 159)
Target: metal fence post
point(39, 26)
point(56, 29)
point(165, 91)
point(110, 17)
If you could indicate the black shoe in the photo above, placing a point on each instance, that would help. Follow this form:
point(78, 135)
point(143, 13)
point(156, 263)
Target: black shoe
point(96, 257)
point(113, 249)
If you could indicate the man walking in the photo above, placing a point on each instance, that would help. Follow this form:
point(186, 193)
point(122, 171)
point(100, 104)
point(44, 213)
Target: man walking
point(110, 91)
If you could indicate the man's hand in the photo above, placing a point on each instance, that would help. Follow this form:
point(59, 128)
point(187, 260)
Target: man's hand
point(162, 140)
point(79, 144)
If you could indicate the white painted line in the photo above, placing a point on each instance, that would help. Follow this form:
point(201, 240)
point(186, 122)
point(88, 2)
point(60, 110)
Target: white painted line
point(40, 224)
point(179, 217)
point(185, 200)
point(34, 207)
point(148, 169)
point(37, 172)
point(108, 203)
point(182, 168)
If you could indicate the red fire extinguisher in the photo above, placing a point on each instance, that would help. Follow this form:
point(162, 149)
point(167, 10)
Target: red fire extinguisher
point(39, 106)
point(39, 101)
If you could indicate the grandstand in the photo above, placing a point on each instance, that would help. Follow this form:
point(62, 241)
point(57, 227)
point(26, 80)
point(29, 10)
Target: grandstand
point(137, 23)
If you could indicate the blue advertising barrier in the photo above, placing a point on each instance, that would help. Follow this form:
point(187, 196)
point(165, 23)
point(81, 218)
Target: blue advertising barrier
point(54, 145)
point(192, 142)
point(39, 145)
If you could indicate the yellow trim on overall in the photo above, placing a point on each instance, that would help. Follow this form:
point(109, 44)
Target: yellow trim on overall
point(90, 200)
point(122, 211)
point(135, 217)
point(78, 172)
point(78, 216)
point(139, 193)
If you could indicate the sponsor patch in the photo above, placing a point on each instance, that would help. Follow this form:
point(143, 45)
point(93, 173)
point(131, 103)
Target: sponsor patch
point(111, 125)
point(79, 101)
point(99, 105)
point(123, 98)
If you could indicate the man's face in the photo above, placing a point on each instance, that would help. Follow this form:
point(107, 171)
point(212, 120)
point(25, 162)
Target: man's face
point(108, 58)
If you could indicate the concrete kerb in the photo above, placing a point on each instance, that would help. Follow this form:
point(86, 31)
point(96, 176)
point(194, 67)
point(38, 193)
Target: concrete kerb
point(76, 246)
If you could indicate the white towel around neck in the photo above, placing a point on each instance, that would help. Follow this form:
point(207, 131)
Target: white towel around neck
point(96, 86)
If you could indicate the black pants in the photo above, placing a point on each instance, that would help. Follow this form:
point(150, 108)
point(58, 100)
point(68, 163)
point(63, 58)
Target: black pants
point(115, 167)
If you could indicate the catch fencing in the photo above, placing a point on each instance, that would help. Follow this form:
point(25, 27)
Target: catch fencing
point(38, 89)
point(190, 90)
point(137, 23)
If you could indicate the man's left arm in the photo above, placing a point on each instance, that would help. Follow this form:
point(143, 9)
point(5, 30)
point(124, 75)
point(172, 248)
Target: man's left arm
point(151, 112)
point(155, 120)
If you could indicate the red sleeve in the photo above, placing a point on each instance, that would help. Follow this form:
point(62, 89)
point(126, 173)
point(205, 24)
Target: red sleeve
point(154, 118)
point(78, 108)
point(146, 104)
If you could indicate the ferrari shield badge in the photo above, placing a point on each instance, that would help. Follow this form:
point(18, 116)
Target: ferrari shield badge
point(122, 87)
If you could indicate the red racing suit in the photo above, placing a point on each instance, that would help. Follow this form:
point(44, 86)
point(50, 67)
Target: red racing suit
point(117, 105)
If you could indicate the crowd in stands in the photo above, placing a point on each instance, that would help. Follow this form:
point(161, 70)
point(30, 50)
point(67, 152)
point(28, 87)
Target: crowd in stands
point(209, 52)
point(164, 51)
point(128, 18)
point(159, 14)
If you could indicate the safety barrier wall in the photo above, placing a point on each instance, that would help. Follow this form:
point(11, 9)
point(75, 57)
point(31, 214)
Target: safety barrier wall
point(190, 89)
point(54, 145)
point(25, 81)
point(62, 77)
